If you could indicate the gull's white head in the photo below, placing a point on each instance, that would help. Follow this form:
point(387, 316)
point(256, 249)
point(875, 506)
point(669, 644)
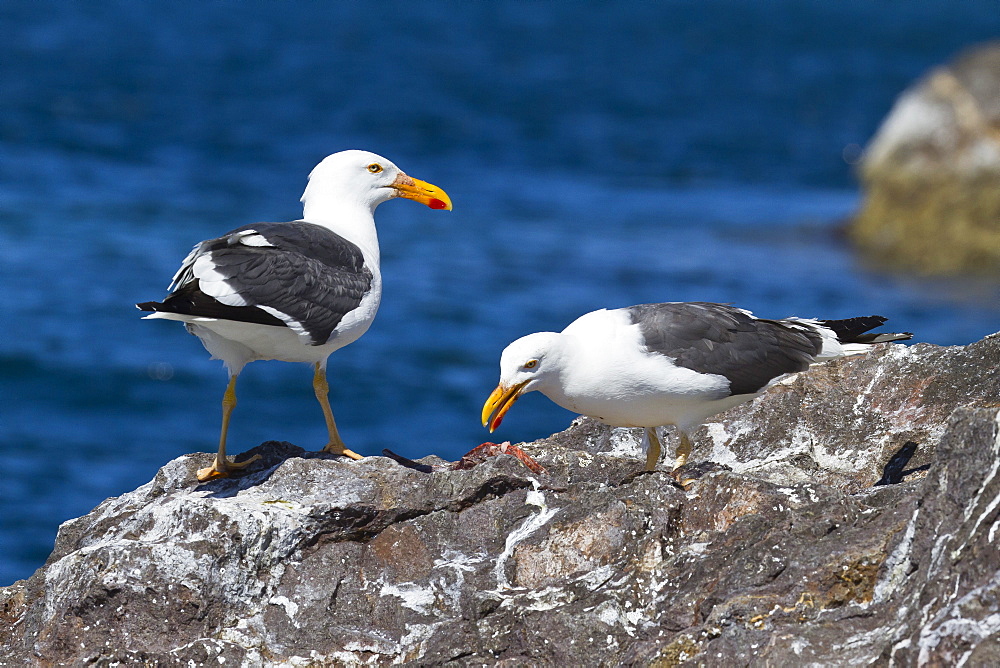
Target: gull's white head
point(533, 362)
point(349, 179)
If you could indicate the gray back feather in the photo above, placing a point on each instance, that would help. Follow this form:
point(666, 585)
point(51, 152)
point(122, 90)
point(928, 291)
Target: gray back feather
point(723, 340)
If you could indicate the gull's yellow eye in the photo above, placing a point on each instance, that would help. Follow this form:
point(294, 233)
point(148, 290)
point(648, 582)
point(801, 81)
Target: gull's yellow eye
point(374, 168)
point(531, 364)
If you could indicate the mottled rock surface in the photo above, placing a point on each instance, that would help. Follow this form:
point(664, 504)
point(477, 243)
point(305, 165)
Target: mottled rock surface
point(822, 544)
point(931, 174)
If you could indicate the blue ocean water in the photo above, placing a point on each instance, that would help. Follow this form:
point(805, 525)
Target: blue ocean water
point(598, 154)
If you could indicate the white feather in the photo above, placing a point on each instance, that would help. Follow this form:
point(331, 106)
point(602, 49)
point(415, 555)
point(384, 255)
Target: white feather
point(290, 322)
point(252, 238)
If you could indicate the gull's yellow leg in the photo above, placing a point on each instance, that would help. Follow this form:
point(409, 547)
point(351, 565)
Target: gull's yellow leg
point(322, 389)
point(222, 466)
point(683, 450)
point(653, 454)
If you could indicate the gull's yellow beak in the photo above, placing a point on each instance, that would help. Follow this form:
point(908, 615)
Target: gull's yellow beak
point(421, 191)
point(499, 403)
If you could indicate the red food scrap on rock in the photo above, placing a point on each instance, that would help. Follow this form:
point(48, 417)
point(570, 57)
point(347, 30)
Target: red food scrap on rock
point(479, 454)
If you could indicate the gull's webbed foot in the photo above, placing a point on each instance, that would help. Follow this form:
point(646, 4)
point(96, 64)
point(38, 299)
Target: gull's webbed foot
point(221, 468)
point(339, 449)
point(689, 473)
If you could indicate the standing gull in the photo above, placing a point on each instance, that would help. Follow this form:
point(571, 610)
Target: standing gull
point(674, 363)
point(293, 291)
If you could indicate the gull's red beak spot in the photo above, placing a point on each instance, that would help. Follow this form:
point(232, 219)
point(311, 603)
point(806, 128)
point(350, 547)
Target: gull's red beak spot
point(421, 191)
point(499, 402)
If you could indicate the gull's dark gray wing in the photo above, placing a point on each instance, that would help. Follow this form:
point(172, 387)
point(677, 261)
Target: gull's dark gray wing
point(297, 274)
point(727, 341)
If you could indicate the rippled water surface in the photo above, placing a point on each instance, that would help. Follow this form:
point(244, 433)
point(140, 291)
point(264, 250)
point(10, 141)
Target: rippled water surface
point(598, 154)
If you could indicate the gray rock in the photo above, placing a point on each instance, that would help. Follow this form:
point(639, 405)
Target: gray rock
point(931, 174)
point(788, 553)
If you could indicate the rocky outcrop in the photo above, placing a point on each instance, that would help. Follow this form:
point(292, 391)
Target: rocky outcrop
point(931, 174)
point(853, 517)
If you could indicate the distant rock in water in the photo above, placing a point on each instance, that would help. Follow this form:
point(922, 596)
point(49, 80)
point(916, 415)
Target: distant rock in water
point(931, 174)
point(853, 518)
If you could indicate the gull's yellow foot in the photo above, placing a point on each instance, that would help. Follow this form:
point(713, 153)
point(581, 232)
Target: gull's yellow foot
point(339, 449)
point(683, 451)
point(221, 468)
point(336, 445)
point(683, 478)
point(653, 453)
point(689, 473)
